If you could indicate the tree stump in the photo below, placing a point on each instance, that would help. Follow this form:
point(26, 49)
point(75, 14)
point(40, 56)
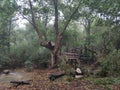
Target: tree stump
point(6, 72)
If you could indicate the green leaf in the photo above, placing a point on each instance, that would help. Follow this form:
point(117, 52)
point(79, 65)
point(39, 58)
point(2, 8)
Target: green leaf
point(26, 11)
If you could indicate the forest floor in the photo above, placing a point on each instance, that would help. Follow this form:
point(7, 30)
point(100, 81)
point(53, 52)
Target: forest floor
point(39, 81)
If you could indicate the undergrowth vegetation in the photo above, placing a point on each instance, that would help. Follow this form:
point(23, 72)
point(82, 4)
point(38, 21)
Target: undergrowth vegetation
point(110, 64)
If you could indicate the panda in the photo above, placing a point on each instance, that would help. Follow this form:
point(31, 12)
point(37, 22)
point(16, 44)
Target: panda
point(78, 73)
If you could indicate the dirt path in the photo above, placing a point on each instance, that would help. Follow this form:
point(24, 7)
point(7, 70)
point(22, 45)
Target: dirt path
point(41, 82)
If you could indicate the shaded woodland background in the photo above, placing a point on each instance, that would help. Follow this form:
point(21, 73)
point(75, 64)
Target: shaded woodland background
point(53, 27)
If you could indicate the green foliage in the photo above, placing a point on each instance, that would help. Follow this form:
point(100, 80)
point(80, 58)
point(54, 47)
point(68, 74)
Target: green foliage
point(7, 10)
point(26, 11)
point(28, 65)
point(104, 32)
point(110, 65)
point(26, 47)
point(66, 67)
point(104, 81)
point(101, 39)
point(4, 61)
point(107, 82)
point(36, 55)
point(41, 59)
point(9, 61)
point(73, 37)
point(68, 78)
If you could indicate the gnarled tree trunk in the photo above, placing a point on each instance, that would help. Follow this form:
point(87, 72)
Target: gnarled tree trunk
point(54, 48)
point(53, 59)
point(54, 51)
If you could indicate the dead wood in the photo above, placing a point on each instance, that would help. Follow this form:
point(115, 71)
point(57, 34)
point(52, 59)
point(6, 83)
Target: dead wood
point(17, 83)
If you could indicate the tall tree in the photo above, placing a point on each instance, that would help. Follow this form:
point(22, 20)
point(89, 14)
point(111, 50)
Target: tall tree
point(50, 9)
point(87, 18)
point(107, 22)
point(7, 9)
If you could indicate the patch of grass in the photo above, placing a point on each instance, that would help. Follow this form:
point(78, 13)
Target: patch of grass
point(106, 82)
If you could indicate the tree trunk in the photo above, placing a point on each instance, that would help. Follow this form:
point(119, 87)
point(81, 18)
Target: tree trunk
point(58, 35)
point(88, 33)
point(53, 60)
point(9, 32)
point(54, 49)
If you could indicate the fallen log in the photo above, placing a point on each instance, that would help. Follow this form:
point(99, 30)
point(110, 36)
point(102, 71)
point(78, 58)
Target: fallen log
point(52, 77)
point(17, 83)
point(77, 74)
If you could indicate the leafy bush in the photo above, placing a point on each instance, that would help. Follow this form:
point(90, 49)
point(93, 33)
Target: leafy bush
point(106, 82)
point(8, 61)
point(110, 65)
point(3, 61)
point(64, 66)
point(28, 65)
point(40, 58)
point(27, 57)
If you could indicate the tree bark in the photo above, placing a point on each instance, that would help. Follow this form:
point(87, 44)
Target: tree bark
point(53, 59)
point(54, 53)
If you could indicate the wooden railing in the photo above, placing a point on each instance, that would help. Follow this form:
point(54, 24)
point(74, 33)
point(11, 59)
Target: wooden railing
point(69, 55)
point(82, 53)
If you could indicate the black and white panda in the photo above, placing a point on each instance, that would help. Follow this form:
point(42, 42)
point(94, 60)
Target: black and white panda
point(78, 73)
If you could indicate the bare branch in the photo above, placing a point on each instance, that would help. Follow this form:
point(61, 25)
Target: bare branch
point(27, 19)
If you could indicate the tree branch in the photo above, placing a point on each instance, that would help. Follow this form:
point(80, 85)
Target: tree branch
point(68, 21)
point(34, 23)
point(56, 16)
point(27, 19)
point(45, 26)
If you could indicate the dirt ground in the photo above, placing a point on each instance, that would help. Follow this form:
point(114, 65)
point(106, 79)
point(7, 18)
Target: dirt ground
point(39, 81)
